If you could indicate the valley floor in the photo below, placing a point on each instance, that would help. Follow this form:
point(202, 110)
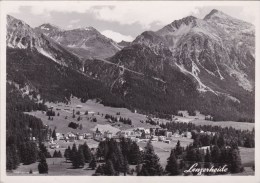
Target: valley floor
point(59, 166)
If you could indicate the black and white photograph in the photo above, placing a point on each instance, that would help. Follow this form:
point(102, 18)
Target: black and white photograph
point(134, 88)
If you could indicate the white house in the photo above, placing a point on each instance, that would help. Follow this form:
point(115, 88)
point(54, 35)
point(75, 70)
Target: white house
point(168, 134)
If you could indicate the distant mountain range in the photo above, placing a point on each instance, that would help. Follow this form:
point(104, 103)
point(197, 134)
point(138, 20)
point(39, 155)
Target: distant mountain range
point(191, 64)
point(85, 42)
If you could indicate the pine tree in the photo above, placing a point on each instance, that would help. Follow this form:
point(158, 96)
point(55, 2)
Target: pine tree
point(207, 161)
point(100, 170)
point(151, 165)
point(221, 141)
point(43, 166)
point(81, 159)
point(87, 153)
point(12, 158)
point(54, 135)
point(172, 166)
point(93, 163)
point(67, 154)
point(59, 154)
point(134, 154)
point(215, 154)
point(78, 157)
point(178, 149)
point(55, 154)
point(125, 166)
point(73, 152)
point(44, 150)
point(109, 168)
point(138, 168)
point(234, 158)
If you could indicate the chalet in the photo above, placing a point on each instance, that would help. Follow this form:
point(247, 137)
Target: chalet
point(176, 134)
point(71, 136)
point(138, 134)
point(161, 138)
point(155, 138)
point(168, 134)
point(204, 148)
point(86, 135)
point(209, 117)
point(108, 134)
point(147, 135)
point(167, 141)
point(146, 131)
point(98, 136)
point(59, 136)
point(187, 134)
point(80, 136)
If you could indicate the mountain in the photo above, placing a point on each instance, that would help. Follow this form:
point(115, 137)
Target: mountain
point(48, 28)
point(84, 42)
point(205, 64)
point(124, 43)
point(191, 64)
point(21, 36)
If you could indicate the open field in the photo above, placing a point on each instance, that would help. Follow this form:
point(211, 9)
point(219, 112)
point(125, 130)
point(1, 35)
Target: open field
point(236, 125)
point(58, 166)
point(163, 150)
point(61, 124)
point(247, 156)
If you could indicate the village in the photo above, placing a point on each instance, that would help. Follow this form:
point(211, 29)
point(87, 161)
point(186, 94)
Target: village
point(91, 122)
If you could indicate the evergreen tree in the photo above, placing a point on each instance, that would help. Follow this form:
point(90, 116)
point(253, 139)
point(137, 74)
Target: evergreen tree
point(109, 168)
point(55, 154)
point(100, 169)
point(178, 149)
point(207, 161)
point(134, 154)
point(54, 135)
point(12, 158)
point(67, 154)
point(87, 153)
point(235, 165)
point(215, 154)
point(138, 168)
point(43, 166)
point(172, 166)
point(73, 152)
point(44, 150)
point(151, 165)
point(78, 158)
point(125, 166)
point(221, 141)
point(59, 154)
point(93, 163)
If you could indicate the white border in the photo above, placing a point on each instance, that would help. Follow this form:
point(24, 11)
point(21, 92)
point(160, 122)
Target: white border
point(255, 5)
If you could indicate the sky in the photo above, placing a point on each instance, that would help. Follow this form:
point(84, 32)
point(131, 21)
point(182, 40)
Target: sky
point(121, 20)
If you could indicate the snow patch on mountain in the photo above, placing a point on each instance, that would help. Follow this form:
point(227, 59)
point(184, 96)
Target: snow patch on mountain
point(45, 53)
point(202, 87)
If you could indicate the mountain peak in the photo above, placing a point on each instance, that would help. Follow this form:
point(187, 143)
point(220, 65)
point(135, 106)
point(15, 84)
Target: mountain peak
point(216, 13)
point(48, 26)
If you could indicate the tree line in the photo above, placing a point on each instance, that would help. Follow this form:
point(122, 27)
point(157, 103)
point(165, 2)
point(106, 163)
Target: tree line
point(230, 135)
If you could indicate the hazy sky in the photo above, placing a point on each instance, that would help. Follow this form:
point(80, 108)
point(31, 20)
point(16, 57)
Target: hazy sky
point(120, 21)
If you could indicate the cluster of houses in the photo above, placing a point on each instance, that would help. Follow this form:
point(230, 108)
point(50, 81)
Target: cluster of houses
point(141, 134)
point(138, 134)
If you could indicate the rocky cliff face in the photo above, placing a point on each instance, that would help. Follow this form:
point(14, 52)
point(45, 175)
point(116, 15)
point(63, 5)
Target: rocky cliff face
point(84, 42)
point(191, 64)
point(215, 55)
point(21, 36)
